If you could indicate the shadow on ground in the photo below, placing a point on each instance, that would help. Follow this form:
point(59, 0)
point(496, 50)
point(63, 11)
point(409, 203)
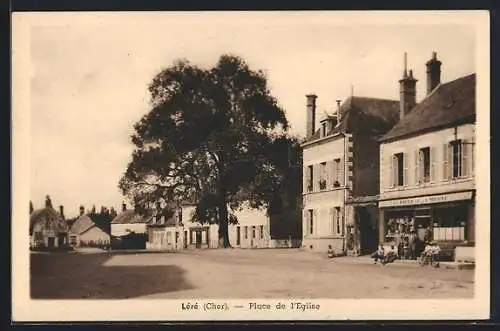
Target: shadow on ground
point(84, 276)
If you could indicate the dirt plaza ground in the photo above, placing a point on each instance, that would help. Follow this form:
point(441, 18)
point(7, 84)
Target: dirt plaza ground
point(236, 273)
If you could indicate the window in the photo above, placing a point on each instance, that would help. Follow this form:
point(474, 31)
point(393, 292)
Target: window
point(261, 231)
point(424, 165)
point(322, 178)
point(169, 238)
point(337, 217)
point(456, 158)
point(253, 231)
point(311, 221)
point(246, 232)
point(310, 176)
point(180, 217)
point(176, 237)
point(72, 240)
point(399, 170)
point(336, 172)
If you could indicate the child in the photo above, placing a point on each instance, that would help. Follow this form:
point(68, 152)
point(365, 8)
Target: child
point(378, 255)
point(330, 252)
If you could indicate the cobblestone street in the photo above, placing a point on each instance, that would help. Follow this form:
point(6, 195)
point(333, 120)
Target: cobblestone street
point(235, 273)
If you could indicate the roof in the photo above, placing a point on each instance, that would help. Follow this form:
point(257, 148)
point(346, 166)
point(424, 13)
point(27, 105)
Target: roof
point(364, 115)
point(85, 222)
point(449, 104)
point(47, 213)
point(130, 217)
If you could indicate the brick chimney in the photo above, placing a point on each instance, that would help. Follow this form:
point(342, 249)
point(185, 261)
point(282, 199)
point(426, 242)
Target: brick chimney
point(61, 211)
point(311, 114)
point(407, 91)
point(82, 210)
point(124, 207)
point(433, 73)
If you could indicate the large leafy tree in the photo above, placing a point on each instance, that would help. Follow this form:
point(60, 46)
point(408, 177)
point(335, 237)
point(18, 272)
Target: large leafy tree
point(216, 136)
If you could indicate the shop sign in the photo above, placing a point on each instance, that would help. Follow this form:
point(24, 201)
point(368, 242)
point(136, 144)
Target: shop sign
point(427, 199)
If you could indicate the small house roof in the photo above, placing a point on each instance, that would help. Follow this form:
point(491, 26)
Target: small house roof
point(130, 217)
point(85, 222)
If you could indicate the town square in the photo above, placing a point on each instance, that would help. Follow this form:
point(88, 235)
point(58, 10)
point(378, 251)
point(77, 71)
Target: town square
point(202, 156)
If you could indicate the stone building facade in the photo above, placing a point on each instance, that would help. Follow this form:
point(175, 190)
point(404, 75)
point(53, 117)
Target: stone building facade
point(427, 165)
point(340, 175)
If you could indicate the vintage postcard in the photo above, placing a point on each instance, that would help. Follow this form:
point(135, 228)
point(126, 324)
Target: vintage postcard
point(196, 166)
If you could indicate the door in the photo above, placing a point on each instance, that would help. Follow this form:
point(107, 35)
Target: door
point(198, 239)
point(185, 239)
point(50, 242)
point(238, 236)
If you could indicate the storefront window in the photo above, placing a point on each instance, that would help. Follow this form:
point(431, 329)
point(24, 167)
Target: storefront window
point(449, 223)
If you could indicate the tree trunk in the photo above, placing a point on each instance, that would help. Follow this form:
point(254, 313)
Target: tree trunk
point(223, 225)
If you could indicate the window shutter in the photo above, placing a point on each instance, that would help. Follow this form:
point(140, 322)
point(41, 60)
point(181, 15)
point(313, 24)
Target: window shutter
point(465, 158)
point(332, 219)
point(446, 162)
point(315, 177)
point(405, 169)
point(342, 221)
point(391, 171)
point(305, 174)
point(329, 174)
point(305, 221)
point(417, 162)
point(432, 153)
point(315, 221)
point(341, 174)
point(472, 156)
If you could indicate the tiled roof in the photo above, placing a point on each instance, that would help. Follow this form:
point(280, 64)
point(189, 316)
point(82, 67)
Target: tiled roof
point(130, 217)
point(364, 115)
point(448, 104)
point(82, 224)
point(85, 222)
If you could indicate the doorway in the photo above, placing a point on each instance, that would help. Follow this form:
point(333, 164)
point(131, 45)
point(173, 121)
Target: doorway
point(51, 242)
point(185, 239)
point(198, 239)
point(238, 236)
point(368, 234)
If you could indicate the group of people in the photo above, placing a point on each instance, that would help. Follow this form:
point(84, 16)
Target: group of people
point(430, 254)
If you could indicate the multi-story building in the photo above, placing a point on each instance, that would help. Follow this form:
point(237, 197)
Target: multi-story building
point(340, 175)
point(427, 162)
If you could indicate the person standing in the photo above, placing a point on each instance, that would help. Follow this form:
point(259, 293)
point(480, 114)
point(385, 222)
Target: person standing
point(412, 244)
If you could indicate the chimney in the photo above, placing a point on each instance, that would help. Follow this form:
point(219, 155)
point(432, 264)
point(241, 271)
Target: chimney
point(82, 210)
point(124, 207)
point(311, 114)
point(433, 73)
point(407, 92)
point(61, 211)
point(339, 113)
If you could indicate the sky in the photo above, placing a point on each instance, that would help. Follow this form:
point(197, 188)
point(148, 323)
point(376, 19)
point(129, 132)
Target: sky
point(89, 78)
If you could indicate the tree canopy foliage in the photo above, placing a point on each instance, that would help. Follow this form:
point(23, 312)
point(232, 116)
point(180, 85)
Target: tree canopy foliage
point(216, 137)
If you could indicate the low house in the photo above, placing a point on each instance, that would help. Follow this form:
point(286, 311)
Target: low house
point(178, 231)
point(129, 230)
point(48, 228)
point(86, 231)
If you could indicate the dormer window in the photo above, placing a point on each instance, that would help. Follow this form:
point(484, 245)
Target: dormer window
point(323, 129)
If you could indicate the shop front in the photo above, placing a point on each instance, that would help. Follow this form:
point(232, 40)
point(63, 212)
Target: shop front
point(445, 218)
